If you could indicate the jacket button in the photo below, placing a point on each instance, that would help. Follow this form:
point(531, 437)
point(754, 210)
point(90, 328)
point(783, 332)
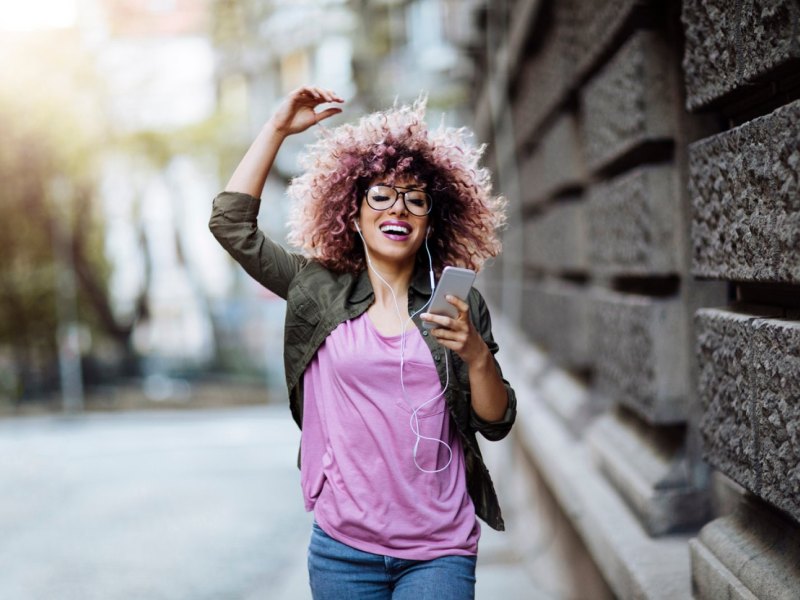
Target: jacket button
point(438, 358)
point(425, 333)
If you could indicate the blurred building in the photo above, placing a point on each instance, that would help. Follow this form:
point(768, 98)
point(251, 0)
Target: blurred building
point(404, 48)
point(190, 82)
point(649, 284)
point(156, 62)
point(263, 50)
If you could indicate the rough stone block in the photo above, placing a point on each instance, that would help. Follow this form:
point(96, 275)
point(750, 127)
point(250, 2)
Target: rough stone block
point(776, 367)
point(580, 33)
point(555, 317)
point(598, 22)
point(749, 383)
point(709, 59)
point(770, 36)
point(750, 554)
point(730, 46)
point(724, 390)
point(526, 15)
point(745, 190)
point(543, 83)
point(556, 240)
point(568, 20)
point(630, 101)
point(639, 349)
point(647, 466)
point(556, 163)
point(635, 223)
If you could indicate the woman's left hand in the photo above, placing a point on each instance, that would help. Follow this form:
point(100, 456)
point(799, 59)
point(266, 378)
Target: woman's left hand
point(459, 334)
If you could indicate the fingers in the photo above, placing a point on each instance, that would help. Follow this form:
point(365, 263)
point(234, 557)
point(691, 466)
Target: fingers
point(317, 94)
point(312, 96)
point(449, 335)
point(441, 321)
point(328, 112)
point(444, 321)
point(458, 335)
point(462, 306)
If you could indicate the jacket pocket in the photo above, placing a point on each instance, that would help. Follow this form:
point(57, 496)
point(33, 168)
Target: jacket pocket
point(301, 307)
point(302, 318)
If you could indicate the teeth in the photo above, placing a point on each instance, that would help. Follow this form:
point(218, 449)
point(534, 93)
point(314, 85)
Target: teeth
point(399, 229)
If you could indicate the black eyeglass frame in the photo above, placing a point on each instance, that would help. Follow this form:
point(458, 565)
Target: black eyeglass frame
point(398, 192)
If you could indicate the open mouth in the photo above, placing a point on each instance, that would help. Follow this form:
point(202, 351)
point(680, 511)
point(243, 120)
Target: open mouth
point(395, 230)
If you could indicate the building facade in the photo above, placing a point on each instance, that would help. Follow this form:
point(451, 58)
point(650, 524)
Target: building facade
point(649, 282)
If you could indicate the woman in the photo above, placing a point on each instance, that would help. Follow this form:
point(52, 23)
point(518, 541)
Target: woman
point(389, 410)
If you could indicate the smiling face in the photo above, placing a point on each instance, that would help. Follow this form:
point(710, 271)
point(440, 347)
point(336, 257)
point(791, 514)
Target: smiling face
point(394, 235)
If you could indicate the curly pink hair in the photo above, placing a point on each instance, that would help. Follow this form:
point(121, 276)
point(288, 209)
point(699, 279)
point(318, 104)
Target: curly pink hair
point(465, 216)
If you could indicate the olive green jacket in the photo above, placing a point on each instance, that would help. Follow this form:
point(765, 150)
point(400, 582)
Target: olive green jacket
point(318, 300)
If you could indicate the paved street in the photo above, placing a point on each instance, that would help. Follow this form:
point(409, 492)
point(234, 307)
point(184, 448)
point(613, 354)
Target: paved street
point(164, 505)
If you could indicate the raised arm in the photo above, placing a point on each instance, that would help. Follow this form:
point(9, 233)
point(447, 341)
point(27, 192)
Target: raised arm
point(295, 114)
point(235, 211)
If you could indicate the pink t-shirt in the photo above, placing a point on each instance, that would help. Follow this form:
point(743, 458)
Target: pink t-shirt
point(357, 467)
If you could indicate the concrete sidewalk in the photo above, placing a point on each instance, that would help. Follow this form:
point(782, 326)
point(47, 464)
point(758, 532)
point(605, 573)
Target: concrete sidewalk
point(201, 504)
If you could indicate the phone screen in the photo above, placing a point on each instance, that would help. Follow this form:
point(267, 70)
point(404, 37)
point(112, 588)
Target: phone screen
point(455, 281)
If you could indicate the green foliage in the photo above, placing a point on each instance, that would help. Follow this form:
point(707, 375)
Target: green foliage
point(52, 132)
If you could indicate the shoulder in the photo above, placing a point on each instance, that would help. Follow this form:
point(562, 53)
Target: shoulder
point(320, 284)
point(475, 296)
point(317, 273)
point(476, 302)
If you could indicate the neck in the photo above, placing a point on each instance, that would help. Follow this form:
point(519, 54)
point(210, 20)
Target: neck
point(397, 276)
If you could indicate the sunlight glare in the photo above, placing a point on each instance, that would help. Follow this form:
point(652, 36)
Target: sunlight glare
point(32, 15)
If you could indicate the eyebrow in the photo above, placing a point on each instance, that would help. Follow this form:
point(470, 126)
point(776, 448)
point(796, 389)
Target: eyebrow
point(421, 187)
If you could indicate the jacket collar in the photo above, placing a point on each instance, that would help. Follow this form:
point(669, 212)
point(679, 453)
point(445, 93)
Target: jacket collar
point(362, 288)
point(420, 283)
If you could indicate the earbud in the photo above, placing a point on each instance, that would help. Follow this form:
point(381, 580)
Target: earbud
point(428, 232)
point(357, 226)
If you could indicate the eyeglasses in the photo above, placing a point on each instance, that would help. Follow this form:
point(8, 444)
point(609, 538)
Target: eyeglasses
point(382, 197)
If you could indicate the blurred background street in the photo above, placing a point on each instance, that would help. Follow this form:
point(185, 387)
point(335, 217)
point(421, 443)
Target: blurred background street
point(169, 505)
point(163, 504)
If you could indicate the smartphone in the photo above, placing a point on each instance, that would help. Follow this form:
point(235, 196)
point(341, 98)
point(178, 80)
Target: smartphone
point(454, 281)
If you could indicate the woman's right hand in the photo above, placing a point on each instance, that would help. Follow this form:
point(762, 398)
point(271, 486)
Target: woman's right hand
point(296, 113)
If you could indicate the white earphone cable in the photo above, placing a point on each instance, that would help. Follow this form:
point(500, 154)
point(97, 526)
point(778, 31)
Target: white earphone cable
point(414, 420)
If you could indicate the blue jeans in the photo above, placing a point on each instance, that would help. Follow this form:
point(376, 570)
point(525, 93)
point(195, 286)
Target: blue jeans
point(339, 572)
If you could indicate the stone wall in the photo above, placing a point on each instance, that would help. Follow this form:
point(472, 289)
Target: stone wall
point(745, 189)
point(652, 154)
point(749, 386)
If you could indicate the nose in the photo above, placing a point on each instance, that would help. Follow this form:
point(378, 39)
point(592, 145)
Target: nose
point(401, 198)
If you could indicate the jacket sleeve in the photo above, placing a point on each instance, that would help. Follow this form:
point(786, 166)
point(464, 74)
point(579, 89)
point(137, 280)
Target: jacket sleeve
point(233, 222)
point(491, 430)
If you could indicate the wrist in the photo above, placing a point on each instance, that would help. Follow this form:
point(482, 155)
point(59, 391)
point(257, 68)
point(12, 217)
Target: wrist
point(272, 131)
point(481, 360)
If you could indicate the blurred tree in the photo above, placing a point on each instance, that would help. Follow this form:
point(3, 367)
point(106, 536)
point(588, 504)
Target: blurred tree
point(53, 128)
